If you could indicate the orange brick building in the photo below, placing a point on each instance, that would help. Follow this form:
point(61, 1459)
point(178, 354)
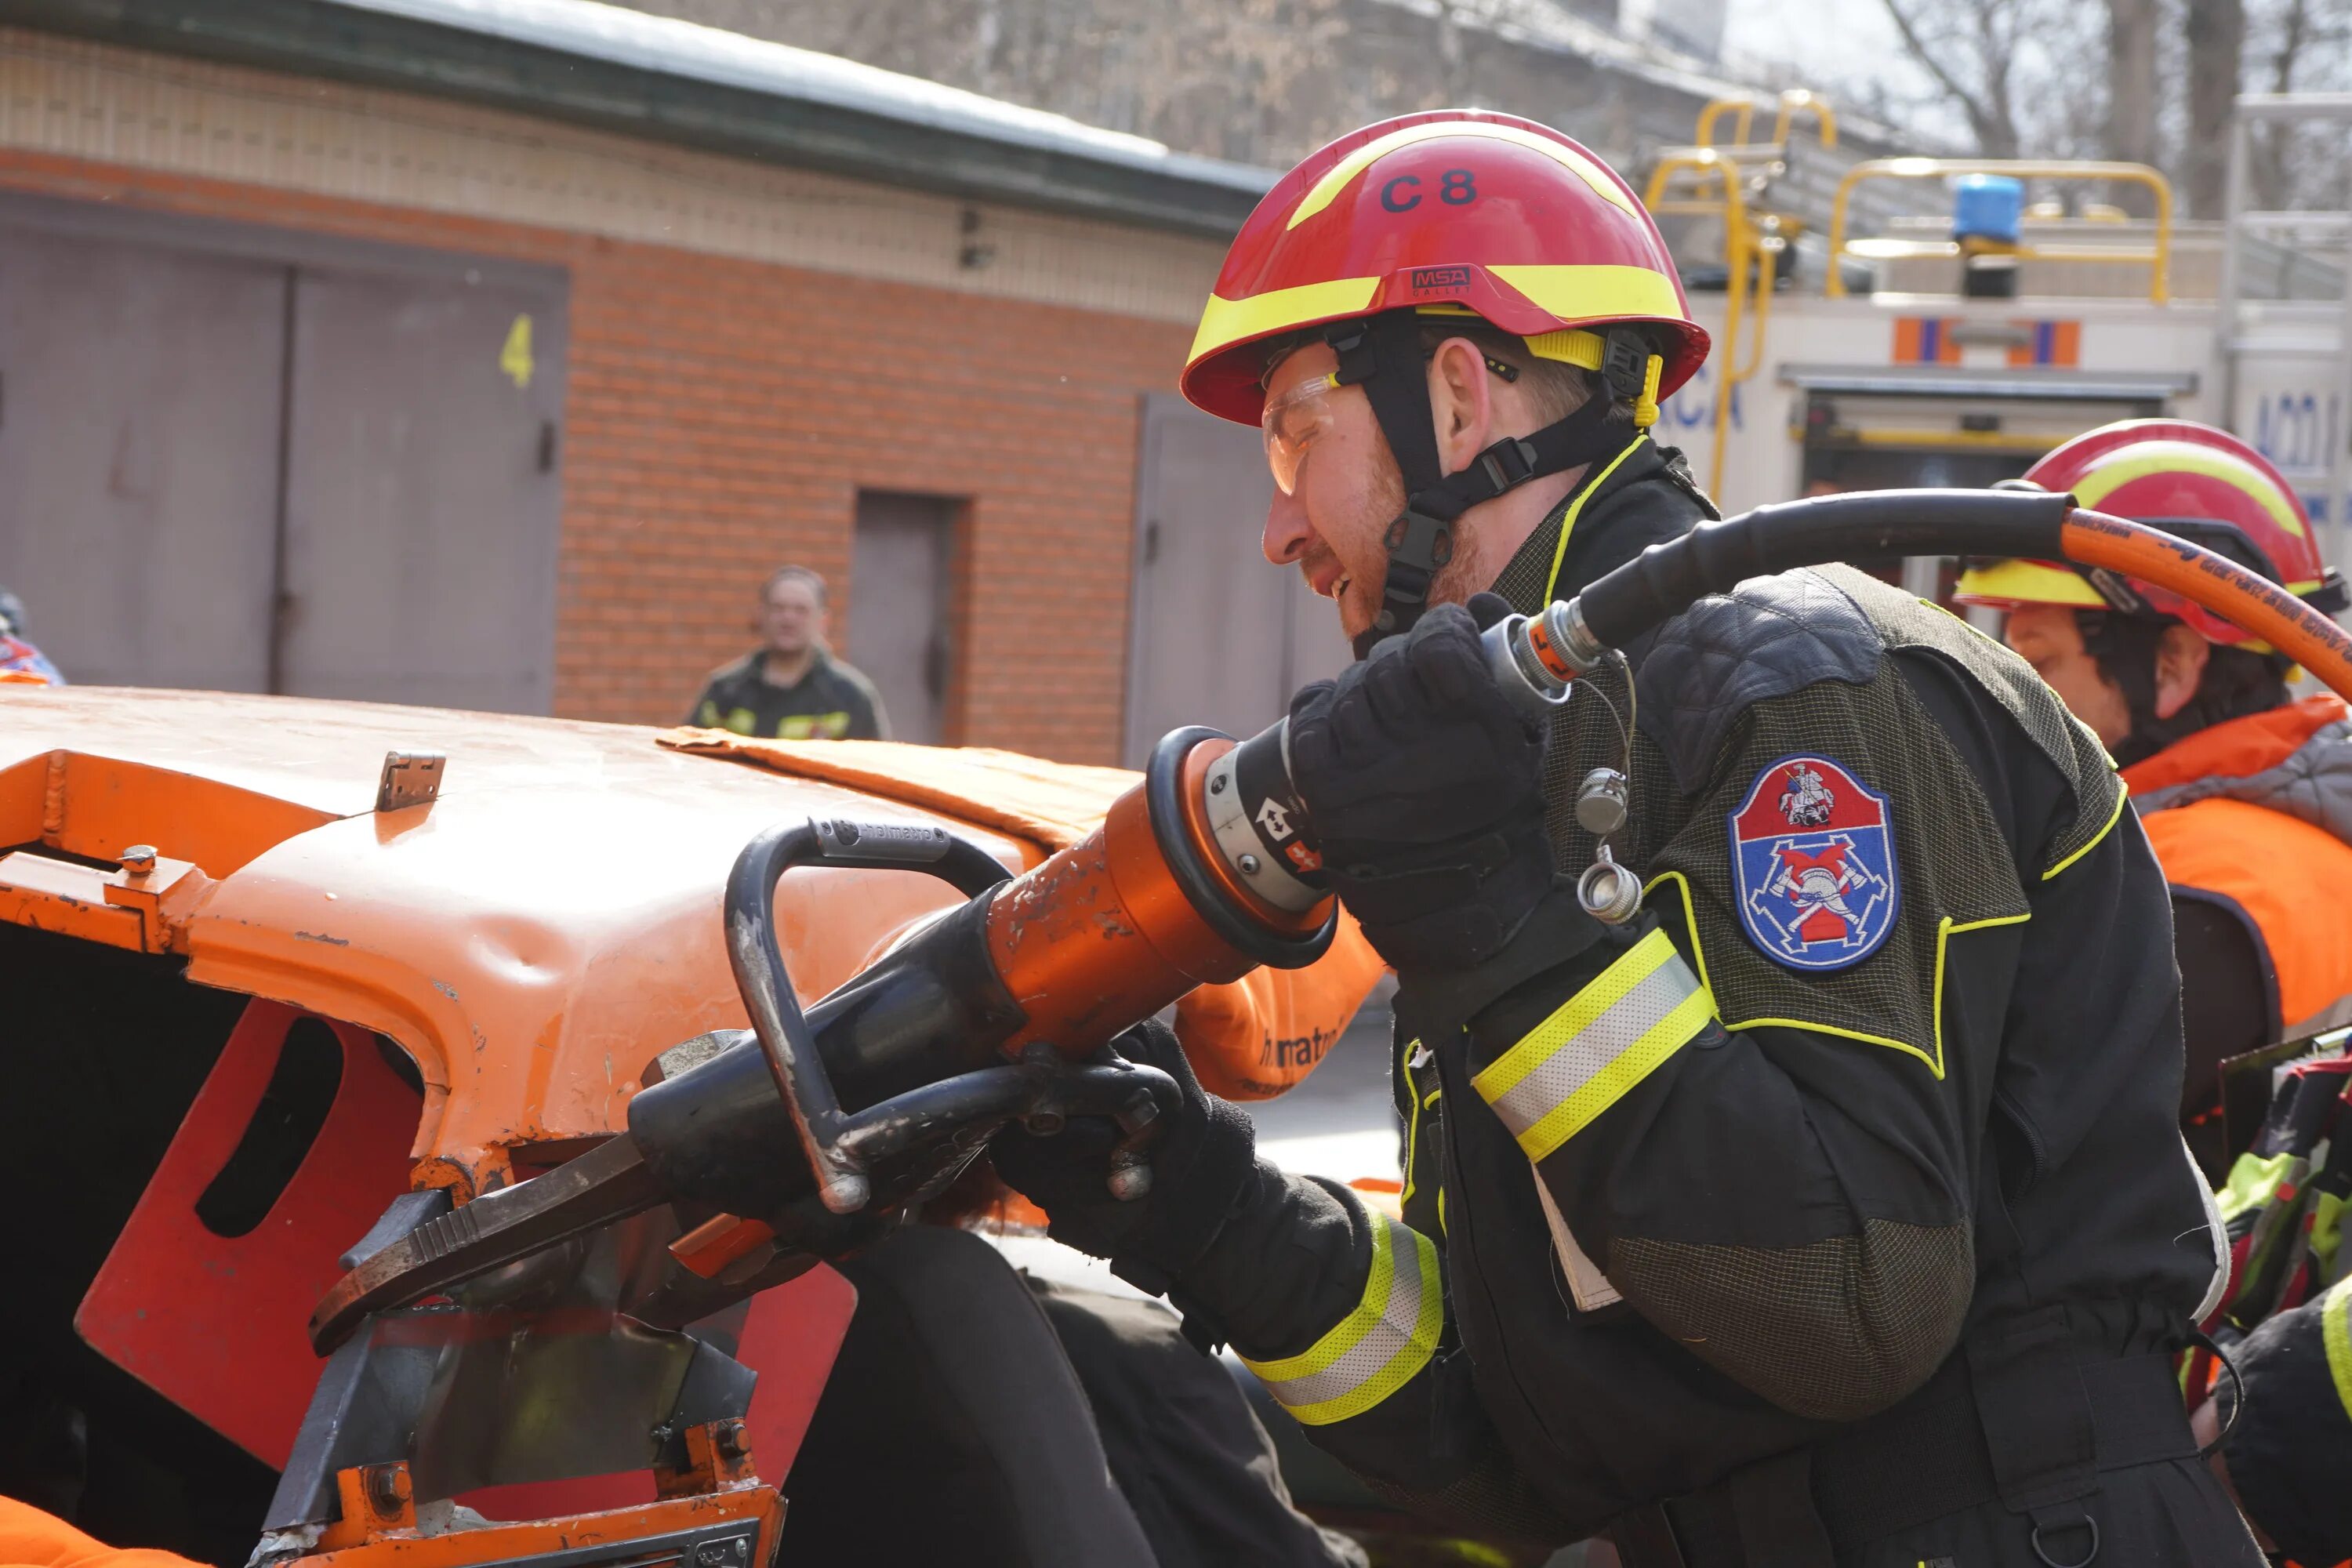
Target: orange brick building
point(796, 295)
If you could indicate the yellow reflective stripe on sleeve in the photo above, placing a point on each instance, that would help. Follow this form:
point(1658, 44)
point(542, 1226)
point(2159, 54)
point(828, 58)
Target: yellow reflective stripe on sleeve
point(1375, 1349)
point(2336, 1332)
point(1603, 1041)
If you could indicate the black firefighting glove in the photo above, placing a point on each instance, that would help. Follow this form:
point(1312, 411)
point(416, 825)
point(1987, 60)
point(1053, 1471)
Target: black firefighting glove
point(1248, 1253)
point(1424, 785)
point(1200, 1165)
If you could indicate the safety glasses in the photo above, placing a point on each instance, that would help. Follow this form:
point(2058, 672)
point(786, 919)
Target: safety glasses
point(1292, 421)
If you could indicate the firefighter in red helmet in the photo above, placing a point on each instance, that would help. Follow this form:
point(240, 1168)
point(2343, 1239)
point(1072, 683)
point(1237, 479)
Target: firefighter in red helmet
point(1784, 1184)
point(2246, 796)
point(1381, 265)
point(2247, 799)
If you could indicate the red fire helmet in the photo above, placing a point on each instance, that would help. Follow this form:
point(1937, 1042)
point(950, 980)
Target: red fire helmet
point(2202, 484)
point(1450, 212)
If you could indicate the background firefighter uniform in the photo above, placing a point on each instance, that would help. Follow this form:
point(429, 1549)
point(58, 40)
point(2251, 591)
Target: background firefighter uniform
point(2252, 822)
point(2290, 1454)
point(1936, 1192)
point(2284, 1321)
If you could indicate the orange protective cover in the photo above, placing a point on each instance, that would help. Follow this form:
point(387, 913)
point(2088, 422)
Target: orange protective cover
point(29, 1536)
point(1249, 1039)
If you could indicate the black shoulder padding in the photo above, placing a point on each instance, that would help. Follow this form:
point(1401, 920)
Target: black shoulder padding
point(1768, 637)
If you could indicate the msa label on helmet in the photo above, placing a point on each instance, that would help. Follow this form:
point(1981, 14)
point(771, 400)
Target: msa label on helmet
point(1428, 280)
point(1813, 861)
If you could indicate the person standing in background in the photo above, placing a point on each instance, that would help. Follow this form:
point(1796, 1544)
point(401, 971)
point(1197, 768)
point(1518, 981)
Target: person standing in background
point(791, 687)
point(18, 656)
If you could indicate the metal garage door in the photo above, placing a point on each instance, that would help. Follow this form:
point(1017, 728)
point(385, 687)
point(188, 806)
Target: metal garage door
point(1217, 636)
point(139, 432)
point(256, 459)
point(420, 501)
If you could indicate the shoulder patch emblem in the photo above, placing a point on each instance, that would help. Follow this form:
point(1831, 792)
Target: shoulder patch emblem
point(1813, 858)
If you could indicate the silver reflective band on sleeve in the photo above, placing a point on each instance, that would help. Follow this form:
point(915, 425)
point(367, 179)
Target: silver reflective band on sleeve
point(1375, 1349)
point(1603, 1041)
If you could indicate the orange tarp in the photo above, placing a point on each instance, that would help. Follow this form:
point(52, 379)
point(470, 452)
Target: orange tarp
point(1251, 1039)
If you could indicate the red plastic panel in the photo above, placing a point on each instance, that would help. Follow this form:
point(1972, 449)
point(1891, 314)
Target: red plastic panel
point(790, 1339)
point(215, 1324)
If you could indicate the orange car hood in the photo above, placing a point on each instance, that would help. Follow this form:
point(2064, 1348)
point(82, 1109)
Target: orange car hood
point(533, 938)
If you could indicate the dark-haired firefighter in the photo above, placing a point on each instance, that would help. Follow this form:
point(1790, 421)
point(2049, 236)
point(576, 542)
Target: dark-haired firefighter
point(1827, 1210)
point(2247, 800)
point(2246, 796)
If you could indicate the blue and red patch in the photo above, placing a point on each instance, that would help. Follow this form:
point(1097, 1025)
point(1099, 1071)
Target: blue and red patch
point(1813, 858)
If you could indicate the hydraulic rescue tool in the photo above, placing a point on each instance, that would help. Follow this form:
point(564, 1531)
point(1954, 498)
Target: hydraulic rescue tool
point(814, 1132)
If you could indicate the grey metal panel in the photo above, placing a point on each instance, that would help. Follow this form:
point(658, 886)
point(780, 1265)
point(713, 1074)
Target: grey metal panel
point(422, 497)
point(263, 242)
point(898, 619)
point(1217, 635)
point(654, 78)
point(139, 430)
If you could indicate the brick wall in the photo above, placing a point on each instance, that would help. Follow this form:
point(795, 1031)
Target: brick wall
point(722, 415)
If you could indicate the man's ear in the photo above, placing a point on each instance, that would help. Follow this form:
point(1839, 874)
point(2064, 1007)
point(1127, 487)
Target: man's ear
point(1460, 401)
point(2181, 658)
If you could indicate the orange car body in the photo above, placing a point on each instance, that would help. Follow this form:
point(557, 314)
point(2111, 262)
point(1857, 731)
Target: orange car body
point(533, 938)
point(530, 939)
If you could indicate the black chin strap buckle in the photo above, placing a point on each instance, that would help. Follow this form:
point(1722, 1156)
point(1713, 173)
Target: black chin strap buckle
point(1419, 546)
point(1508, 464)
point(1416, 539)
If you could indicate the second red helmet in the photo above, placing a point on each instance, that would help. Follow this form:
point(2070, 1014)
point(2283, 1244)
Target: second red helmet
point(2190, 479)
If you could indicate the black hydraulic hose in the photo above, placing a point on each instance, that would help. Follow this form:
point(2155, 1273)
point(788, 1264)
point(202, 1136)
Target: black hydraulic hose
point(1666, 579)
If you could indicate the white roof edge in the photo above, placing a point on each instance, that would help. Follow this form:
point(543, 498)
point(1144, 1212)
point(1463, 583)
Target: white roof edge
point(704, 54)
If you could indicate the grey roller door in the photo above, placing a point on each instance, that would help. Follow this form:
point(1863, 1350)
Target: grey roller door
point(1218, 636)
point(421, 501)
point(139, 439)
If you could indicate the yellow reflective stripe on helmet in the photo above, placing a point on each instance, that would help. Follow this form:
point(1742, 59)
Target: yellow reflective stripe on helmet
point(1375, 1349)
point(1594, 290)
point(1224, 320)
point(1335, 179)
point(1603, 1041)
point(2021, 582)
point(2336, 1332)
point(2179, 457)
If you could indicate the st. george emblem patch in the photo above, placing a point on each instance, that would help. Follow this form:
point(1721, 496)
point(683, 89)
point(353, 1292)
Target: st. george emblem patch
point(1812, 856)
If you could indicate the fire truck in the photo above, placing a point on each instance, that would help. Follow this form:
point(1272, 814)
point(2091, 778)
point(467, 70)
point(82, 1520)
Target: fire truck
point(1875, 327)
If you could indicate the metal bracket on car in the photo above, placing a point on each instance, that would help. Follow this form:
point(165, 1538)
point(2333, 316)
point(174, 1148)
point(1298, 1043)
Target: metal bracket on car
point(409, 778)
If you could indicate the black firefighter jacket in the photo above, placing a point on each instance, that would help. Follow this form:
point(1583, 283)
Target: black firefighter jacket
point(1885, 1073)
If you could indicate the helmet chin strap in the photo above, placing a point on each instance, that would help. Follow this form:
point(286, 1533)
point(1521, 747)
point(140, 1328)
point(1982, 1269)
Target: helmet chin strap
point(1382, 354)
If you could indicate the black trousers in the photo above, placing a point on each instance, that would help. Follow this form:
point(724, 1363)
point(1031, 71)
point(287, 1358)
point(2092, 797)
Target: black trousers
point(978, 1418)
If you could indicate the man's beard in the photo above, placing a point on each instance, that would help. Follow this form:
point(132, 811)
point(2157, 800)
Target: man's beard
point(1455, 582)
